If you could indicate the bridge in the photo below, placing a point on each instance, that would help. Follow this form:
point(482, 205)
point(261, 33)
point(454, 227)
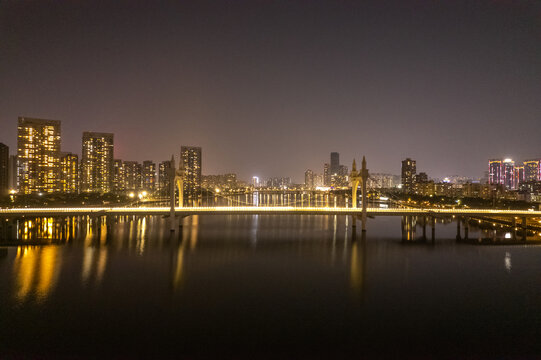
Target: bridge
point(357, 178)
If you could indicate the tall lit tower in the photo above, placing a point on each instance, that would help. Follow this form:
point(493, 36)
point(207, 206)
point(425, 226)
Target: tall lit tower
point(531, 170)
point(191, 162)
point(149, 175)
point(335, 163)
point(69, 174)
point(38, 154)
point(508, 172)
point(309, 179)
point(409, 170)
point(97, 162)
point(495, 168)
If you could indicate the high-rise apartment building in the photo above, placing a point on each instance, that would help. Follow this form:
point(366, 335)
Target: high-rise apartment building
point(502, 172)
point(532, 170)
point(495, 172)
point(409, 170)
point(132, 175)
point(164, 174)
point(69, 173)
point(326, 174)
point(508, 171)
point(309, 179)
point(38, 155)
point(119, 176)
point(149, 175)
point(4, 169)
point(191, 161)
point(97, 162)
point(519, 176)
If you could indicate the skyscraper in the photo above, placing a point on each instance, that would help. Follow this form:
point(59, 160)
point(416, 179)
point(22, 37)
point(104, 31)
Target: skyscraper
point(132, 176)
point(12, 173)
point(191, 161)
point(164, 173)
point(508, 172)
point(119, 176)
point(519, 176)
point(326, 174)
point(4, 169)
point(38, 155)
point(409, 170)
point(97, 162)
point(335, 163)
point(309, 179)
point(149, 175)
point(495, 172)
point(69, 173)
point(531, 170)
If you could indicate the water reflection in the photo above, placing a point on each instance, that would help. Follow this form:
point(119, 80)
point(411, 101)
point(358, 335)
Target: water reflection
point(36, 269)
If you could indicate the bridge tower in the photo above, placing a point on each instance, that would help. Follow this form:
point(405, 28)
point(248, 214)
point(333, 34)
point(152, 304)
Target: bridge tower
point(176, 181)
point(356, 178)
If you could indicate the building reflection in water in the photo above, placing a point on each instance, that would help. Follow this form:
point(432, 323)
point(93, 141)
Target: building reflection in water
point(36, 270)
point(357, 264)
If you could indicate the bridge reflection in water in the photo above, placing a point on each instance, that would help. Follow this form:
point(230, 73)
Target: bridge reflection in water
point(39, 247)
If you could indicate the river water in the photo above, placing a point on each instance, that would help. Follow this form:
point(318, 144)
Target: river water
point(263, 287)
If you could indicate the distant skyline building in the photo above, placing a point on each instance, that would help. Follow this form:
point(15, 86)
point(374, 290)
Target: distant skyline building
point(309, 179)
point(132, 176)
point(191, 162)
point(495, 168)
point(519, 176)
point(119, 176)
point(164, 171)
point(532, 170)
point(409, 170)
point(149, 175)
point(69, 173)
point(97, 162)
point(4, 169)
point(326, 174)
point(508, 172)
point(335, 163)
point(38, 155)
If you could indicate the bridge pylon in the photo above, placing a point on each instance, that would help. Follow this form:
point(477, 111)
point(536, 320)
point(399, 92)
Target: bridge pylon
point(356, 178)
point(176, 181)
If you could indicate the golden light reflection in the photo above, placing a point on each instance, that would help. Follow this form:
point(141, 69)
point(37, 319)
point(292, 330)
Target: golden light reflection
point(36, 270)
point(357, 267)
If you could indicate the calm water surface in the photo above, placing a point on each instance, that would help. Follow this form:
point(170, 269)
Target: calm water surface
point(264, 287)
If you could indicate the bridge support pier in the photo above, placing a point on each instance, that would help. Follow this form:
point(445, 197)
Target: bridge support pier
point(458, 238)
point(524, 229)
point(514, 232)
point(433, 229)
point(466, 228)
point(424, 228)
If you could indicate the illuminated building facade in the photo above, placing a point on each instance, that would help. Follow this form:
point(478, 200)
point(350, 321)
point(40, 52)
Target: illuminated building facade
point(69, 173)
point(508, 172)
point(495, 172)
point(119, 176)
point(4, 169)
point(191, 162)
point(221, 182)
point(164, 172)
point(326, 174)
point(38, 155)
point(532, 170)
point(132, 176)
point(97, 162)
point(149, 175)
point(409, 170)
point(309, 179)
point(12, 173)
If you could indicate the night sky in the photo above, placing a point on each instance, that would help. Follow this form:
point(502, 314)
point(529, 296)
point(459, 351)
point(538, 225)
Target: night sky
point(270, 88)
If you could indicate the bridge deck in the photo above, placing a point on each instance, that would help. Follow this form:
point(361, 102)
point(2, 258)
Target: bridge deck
point(256, 210)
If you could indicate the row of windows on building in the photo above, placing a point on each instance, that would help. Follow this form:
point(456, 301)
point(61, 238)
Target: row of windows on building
point(41, 167)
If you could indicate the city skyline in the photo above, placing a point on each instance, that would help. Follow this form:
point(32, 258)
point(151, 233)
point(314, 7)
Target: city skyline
point(387, 80)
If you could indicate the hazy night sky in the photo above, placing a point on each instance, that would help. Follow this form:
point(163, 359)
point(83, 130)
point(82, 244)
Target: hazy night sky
point(270, 88)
